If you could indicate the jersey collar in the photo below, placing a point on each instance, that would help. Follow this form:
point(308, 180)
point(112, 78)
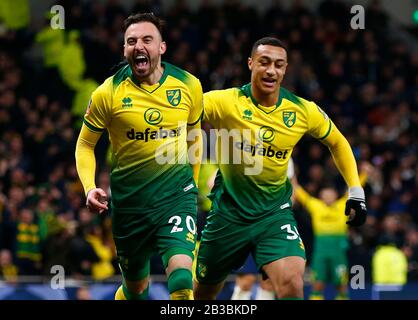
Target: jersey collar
point(246, 89)
point(160, 82)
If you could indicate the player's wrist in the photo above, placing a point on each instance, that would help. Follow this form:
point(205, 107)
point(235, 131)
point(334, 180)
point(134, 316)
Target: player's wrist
point(356, 193)
point(89, 189)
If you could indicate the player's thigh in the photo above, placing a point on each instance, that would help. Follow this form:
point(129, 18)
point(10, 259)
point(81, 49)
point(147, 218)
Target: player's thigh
point(132, 234)
point(224, 246)
point(176, 234)
point(286, 271)
point(278, 239)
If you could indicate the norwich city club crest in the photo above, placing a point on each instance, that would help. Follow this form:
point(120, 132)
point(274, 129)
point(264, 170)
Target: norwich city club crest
point(289, 118)
point(174, 97)
point(201, 270)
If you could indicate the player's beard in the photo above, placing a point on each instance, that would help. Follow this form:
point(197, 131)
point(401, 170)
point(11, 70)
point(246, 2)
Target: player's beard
point(142, 73)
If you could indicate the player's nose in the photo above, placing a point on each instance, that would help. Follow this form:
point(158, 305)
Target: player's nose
point(270, 70)
point(270, 73)
point(139, 46)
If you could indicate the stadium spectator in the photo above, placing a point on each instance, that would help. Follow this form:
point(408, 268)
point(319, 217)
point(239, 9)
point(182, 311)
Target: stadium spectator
point(8, 270)
point(28, 243)
point(103, 268)
point(246, 277)
point(389, 263)
point(329, 262)
point(83, 293)
point(410, 249)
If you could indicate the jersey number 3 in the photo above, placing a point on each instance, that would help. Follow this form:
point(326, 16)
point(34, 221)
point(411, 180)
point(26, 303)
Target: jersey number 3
point(292, 235)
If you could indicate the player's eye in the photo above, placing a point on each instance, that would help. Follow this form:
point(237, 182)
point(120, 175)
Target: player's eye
point(131, 42)
point(147, 40)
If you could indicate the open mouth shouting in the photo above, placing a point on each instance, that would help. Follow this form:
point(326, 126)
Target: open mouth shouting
point(141, 62)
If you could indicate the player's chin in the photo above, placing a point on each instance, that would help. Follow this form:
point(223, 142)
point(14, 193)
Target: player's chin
point(269, 86)
point(269, 89)
point(141, 72)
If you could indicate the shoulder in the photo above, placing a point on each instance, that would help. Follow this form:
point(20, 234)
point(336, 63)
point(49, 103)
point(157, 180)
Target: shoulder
point(301, 103)
point(217, 103)
point(120, 76)
point(109, 86)
point(220, 98)
point(180, 74)
point(224, 93)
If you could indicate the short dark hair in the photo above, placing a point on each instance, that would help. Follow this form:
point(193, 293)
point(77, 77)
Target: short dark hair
point(271, 41)
point(144, 17)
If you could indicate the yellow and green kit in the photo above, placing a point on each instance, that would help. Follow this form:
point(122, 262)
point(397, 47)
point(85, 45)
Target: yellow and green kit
point(251, 210)
point(153, 193)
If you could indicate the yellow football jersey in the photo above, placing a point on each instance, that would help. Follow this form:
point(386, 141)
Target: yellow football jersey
point(147, 128)
point(326, 220)
point(253, 160)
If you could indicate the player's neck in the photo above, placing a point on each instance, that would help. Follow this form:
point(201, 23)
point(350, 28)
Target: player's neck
point(154, 77)
point(266, 100)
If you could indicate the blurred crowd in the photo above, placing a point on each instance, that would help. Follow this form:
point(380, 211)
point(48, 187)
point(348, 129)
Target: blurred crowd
point(366, 80)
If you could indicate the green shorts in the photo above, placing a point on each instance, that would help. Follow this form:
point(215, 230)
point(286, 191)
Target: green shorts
point(225, 245)
point(329, 260)
point(137, 235)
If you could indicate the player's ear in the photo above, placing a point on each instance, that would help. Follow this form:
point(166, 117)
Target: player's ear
point(163, 47)
point(124, 51)
point(250, 63)
point(285, 68)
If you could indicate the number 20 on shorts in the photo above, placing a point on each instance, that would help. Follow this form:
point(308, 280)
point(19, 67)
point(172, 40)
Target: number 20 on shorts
point(190, 224)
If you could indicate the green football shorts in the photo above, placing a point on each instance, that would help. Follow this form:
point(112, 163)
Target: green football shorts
point(225, 245)
point(167, 229)
point(329, 260)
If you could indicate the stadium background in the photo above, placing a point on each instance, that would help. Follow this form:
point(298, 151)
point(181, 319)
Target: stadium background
point(366, 80)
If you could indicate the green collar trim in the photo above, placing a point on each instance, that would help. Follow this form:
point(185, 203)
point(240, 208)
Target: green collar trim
point(246, 89)
point(160, 82)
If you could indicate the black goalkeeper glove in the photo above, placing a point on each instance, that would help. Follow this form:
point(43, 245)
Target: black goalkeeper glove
point(355, 207)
